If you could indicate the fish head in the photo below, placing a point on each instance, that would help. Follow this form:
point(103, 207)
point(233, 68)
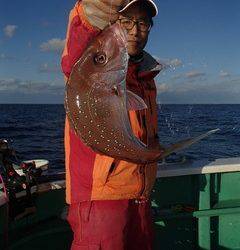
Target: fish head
point(106, 59)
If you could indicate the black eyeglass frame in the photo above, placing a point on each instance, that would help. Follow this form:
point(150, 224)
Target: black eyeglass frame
point(136, 23)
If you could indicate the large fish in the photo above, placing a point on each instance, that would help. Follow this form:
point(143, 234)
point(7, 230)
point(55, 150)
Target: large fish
point(97, 102)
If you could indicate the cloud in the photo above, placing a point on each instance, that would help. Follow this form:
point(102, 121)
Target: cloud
point(47, 24)
point(176, 77)
point(14, 90)
point(224, 74)
point(46, 68)
point(19, 86)
point(200, 92)
point(162, 87)
point(54, 45)
point(235, 80)
point(5, 57)
point(8, 84)
point(9, 30)
point(194, 74)
point(191, 76)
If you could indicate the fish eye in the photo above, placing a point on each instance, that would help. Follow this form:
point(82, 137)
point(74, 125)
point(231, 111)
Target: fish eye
point(100, 58)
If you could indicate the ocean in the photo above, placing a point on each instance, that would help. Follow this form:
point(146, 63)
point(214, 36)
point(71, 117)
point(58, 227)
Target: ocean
point(36, 131)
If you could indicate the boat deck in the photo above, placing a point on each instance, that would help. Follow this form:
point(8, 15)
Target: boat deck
point(196, 205)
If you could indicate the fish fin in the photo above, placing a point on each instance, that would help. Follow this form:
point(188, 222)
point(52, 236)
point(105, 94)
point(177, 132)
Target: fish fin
point(135, 102)
point(187, 143)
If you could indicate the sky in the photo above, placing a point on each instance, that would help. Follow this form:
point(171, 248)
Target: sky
point(198, 40)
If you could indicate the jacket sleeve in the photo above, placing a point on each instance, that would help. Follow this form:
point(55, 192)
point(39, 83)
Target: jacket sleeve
point(79, 33)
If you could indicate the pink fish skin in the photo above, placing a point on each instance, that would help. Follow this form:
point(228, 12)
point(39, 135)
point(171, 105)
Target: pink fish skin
point(96, 100)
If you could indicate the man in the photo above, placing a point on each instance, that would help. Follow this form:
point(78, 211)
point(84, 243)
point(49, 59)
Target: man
point(109, 206)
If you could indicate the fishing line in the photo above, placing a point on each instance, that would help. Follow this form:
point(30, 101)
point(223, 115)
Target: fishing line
point(110, 13)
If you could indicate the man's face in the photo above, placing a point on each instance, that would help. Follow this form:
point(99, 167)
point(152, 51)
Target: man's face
point(137, 36)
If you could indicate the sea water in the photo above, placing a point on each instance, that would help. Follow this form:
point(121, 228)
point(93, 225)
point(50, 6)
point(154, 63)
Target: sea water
point(36, 131)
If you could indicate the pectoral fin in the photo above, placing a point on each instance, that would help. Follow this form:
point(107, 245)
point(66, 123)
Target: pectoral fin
point(135, 102)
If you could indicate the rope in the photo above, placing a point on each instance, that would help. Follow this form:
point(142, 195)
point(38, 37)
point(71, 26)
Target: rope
point(6, 223)
point(4, 188)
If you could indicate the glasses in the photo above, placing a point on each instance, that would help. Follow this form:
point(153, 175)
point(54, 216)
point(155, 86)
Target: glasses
point(128, 24)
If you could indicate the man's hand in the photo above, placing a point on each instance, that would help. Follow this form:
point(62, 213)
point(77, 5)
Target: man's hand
point(102, 12)
point(118, 3)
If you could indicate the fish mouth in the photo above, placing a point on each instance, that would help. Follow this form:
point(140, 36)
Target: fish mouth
point(116, 69)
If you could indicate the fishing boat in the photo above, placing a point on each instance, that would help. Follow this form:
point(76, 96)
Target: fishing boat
point(195, 204)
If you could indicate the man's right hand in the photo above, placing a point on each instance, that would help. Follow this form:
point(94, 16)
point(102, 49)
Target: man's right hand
point(102, 12)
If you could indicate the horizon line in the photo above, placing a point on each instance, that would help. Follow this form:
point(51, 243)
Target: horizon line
point(157, 103)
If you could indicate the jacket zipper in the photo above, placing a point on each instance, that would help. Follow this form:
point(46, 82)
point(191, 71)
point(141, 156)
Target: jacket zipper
point(142, 167)
point(142, 173)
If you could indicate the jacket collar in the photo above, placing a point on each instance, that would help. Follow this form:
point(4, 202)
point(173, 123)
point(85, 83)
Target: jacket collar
point(149, 67)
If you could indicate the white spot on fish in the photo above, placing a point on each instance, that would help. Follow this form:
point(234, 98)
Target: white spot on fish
point(78, 101)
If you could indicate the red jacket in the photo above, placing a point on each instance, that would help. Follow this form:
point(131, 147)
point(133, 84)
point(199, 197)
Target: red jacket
point(89, 175)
